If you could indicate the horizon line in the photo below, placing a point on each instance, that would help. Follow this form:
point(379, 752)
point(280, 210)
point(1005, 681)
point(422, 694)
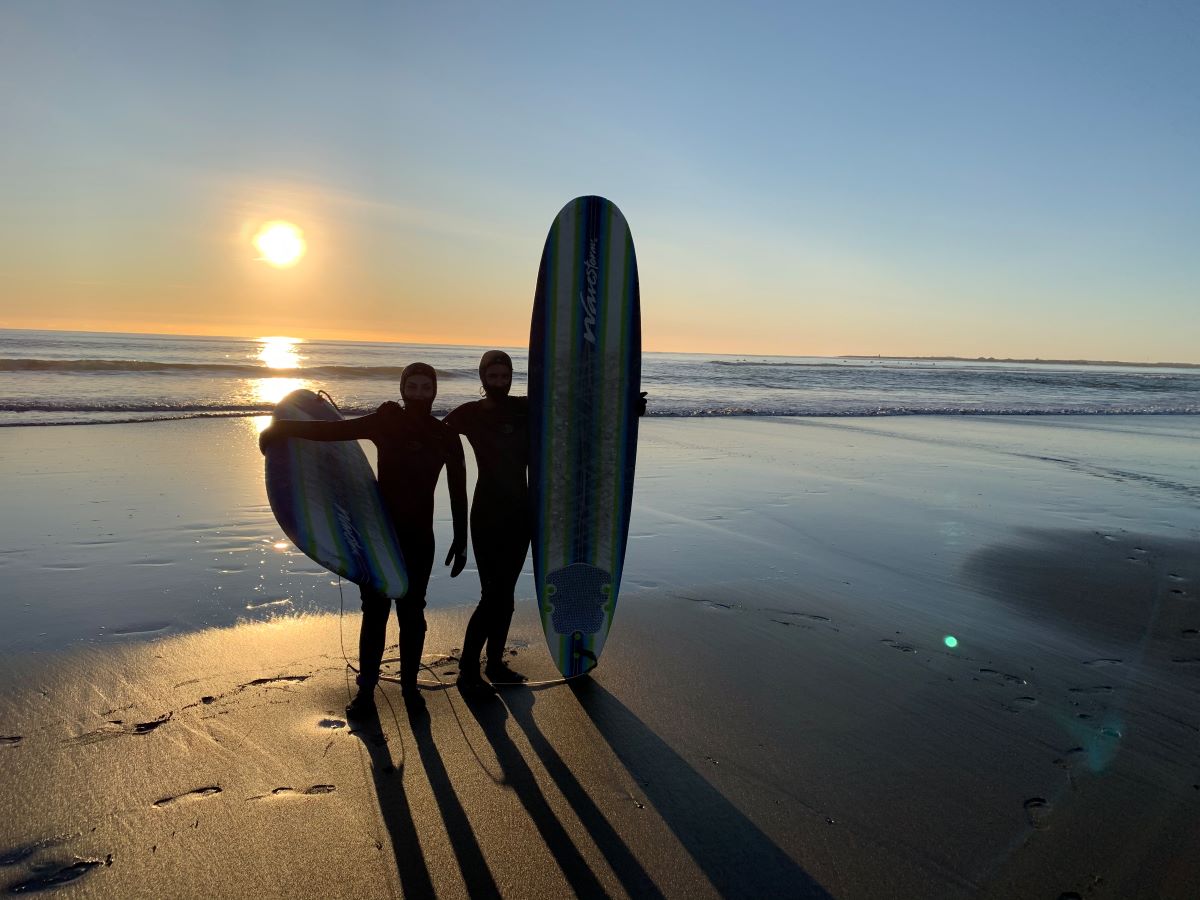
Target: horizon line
point(879, 356)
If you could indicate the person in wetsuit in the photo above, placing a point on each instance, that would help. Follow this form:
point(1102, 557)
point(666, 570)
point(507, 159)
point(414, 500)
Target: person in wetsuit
point(413, 447)
point(497, 428)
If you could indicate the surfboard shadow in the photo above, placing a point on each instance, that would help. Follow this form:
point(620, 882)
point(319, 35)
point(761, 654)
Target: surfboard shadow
point(734, 854)
point(492, 716)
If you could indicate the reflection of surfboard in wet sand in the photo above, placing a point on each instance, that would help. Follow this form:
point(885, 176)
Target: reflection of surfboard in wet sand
point(326, 499)
point(585, 361)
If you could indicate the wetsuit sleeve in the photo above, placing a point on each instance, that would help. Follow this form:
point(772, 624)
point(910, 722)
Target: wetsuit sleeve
point(362, 428)
point(456, 421)
point(456, 480)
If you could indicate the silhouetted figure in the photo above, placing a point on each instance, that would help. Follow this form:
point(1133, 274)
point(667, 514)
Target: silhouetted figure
point(413, 446)
point(498, 429)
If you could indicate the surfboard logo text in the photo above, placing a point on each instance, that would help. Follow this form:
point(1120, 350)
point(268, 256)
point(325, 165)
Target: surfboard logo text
point(591, 267)
point(346, 526)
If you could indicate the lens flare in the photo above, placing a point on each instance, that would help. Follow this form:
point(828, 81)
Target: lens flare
point(950, 641)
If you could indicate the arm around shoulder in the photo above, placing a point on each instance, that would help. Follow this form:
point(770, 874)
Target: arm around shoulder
point(361, 428)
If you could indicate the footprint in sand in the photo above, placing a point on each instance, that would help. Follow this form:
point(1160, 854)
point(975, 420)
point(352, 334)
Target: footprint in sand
point(897, 645)
point(1020, 704)
point(1190, 634)
point(1070, 757)
point(1102, 662)
point(1003, 676)
point(1037, 811)
point(313, 791)
point(55, 874)
point(197, 794)
point(1094, 689)
point(11, 740)
point(14, 855)
point(117, 727)
point(332, 723)
point(261, 681)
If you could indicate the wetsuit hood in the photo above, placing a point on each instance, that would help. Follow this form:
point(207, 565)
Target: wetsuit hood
point(418, 368)
point(492, 358)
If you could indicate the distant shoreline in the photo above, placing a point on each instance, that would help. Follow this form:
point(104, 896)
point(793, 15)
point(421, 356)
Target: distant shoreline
point(1035, 362)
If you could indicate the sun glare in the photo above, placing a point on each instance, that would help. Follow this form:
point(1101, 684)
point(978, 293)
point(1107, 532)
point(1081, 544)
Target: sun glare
point(280, 243)
point(279, 353)
point(272, 390)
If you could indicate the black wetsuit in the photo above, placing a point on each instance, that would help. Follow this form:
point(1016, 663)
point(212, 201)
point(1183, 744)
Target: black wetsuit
point(412, 450)
point(498, 430)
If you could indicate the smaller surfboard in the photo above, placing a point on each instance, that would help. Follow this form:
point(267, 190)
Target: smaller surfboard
point(326, 499)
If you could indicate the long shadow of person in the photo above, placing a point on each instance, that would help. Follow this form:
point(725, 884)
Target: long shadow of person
point(624, 864)
point(476, 874)
point(492, 717)
point(735, 855)
point(415, 880)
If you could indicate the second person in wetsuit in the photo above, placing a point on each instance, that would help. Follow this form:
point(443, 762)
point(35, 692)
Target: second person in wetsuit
point(497, 428)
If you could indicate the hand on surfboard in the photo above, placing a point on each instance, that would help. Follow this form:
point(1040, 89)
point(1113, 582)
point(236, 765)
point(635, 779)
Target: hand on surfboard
point(642, 403)
point(458, 553)
point(269, 436)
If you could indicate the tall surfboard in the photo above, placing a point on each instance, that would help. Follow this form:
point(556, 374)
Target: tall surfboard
point(326, 499)
point(585, 361)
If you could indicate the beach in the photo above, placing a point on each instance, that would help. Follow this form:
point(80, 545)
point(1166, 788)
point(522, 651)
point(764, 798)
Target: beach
point(932, 656)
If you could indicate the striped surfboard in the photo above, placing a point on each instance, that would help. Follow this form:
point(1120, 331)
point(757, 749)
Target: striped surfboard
point(326, 499)
point(585, 360)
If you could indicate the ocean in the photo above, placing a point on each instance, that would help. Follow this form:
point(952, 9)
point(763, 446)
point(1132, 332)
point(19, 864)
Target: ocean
point(59, 378)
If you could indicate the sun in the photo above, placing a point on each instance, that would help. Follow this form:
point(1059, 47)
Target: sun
point(280, 243)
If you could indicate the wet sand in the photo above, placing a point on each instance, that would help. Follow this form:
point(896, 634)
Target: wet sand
point(777, 711)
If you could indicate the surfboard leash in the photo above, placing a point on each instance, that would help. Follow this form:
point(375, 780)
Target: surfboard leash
point(551, 682)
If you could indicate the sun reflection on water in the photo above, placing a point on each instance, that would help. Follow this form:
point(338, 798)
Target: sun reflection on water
point(272, 390)
point(279, 352)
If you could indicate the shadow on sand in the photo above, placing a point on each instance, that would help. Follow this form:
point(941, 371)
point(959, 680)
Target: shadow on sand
point(397, 815)
point(492, 716)
point(735, 855)
point(629, 871)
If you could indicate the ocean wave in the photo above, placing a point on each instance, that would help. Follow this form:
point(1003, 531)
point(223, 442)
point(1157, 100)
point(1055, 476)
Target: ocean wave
point(16, 415)
point(243, 370)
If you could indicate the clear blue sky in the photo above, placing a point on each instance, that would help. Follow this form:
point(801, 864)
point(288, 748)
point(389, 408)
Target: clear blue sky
point(1016, 179)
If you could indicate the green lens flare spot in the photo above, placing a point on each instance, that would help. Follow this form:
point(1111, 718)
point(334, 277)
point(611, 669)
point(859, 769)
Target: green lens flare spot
point(950, 641)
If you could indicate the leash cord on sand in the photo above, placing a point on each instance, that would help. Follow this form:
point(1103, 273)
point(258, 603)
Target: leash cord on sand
point(429, 668)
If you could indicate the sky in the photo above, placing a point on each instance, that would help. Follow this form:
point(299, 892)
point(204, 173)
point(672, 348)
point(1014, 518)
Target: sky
point(1012, 179)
